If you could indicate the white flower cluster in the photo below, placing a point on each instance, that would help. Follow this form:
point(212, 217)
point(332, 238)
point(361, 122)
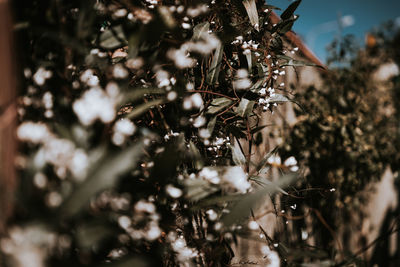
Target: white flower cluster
point(173, 191)
point(120, 72)
point(241, 81)
point(218, 143)
point(29, 246)
point(89, 78)
point(179, 246)
point(291, 163)
point(47, 100)
point(267, 94)
point(41, 75)
point(232, 176)
point(193, 101)
point(152, 3)
point(204, 45)
point(97, 104)
point(122, 129)
point(271, 256)
point(61, 153)
point(196, 11)
point(144, 223)
point(236, 177)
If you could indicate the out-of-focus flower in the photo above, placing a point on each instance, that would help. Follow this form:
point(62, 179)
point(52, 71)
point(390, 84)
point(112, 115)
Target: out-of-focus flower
point(95, 104)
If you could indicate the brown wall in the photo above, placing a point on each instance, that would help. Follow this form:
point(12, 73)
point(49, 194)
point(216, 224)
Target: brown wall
point(7, 115)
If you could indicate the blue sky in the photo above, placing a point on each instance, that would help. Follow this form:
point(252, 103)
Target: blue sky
point(317, 24)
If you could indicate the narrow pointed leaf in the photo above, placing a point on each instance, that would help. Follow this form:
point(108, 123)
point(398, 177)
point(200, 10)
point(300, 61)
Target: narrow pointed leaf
point(251, 9)
point(213, 73)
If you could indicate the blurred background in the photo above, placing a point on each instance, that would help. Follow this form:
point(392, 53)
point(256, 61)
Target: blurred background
point(321, 21)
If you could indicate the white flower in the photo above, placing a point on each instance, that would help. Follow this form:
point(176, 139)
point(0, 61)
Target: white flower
point(171, 96)
point(119, 72)
point(122, 129)
point(145, 206)
point(173, 191)
point(134, 63)
point(210, 175)
point(95, 104)
point(47, 100)
point(253, 225)
point(290, 161)
point(181, 58)
point(196, 11)
point(274, 159)
point(88, 78)
point(241, 82)
point(199, 121)
point(34, 132)
point(193, 101)
point(79, 164)
point(237, 178)
point(212, 215)
point(204, 133)
point(41, 75)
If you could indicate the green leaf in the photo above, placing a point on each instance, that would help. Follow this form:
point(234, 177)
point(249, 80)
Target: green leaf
point(213, 73)
point(137, 94)
point(139, 110)
point(242, 208)
point(288, 13)
point(245, 107)
point(218, 104)
point(265, 182)
point(251, 9)
point(211, 124)
point(113, 38)
point(288, 61)
point(264, 160)
point(249, 61)
point(197, 189)
point(104, 175)
point(278, 98)
point(237, 156)
point(133, 44)
point(286, 25)
point(200, 29)
point(196, 156)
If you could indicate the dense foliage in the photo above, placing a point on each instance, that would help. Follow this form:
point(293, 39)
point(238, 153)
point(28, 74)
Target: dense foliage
point(346, 136)
point(139, 122)
point(132, 117)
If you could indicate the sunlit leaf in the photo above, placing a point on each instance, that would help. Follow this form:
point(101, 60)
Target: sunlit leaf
point(211, 124)
point(251, 9)
point(245, 107)
point(278, 98)
point(196, 156)
point(200, 29)
point(237, 156)
point(218, 104)
point(241, 209)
